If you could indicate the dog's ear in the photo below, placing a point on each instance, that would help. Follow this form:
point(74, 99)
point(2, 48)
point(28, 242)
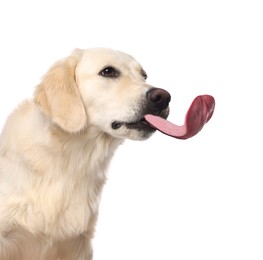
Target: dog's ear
point(59, 97)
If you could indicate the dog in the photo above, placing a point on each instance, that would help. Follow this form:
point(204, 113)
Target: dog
point(56, 146)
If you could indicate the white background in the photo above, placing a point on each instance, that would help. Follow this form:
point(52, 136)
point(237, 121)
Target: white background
point(165, 198)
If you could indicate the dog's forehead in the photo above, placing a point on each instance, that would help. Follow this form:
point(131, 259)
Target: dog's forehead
point(98, 58)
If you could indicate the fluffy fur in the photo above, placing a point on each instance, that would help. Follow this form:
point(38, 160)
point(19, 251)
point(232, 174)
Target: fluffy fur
point(55, 148)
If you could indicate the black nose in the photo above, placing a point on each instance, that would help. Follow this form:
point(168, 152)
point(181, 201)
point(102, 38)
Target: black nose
point(158, 99)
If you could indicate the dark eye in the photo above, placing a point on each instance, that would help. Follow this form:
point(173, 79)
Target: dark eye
point(110, 72)
point(144, 75)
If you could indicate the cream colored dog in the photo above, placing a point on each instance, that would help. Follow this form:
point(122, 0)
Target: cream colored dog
point(55, 148)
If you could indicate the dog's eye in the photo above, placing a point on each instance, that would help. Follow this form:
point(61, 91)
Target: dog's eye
point(110, 72)
point(144, 74)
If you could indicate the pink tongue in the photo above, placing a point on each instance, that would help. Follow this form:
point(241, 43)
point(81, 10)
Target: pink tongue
point(199, 113)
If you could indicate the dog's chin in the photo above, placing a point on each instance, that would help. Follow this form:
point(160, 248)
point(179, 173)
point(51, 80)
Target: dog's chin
point(139, 130)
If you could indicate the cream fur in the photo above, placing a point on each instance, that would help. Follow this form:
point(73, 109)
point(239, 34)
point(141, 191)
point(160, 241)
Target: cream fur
point(55, 149)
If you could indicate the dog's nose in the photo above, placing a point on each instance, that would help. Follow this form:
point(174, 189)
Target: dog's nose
point(158, 98)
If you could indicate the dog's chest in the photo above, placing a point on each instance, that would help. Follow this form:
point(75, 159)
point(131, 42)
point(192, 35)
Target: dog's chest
point(60, 208)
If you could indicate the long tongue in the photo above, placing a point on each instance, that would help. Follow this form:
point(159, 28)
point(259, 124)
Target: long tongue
point(199, 113)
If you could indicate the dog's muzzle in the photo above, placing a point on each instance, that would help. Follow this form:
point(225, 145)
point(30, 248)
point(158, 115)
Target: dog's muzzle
point(156, 103)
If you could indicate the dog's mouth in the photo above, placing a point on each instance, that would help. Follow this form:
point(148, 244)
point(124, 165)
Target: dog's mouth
point(141, 124)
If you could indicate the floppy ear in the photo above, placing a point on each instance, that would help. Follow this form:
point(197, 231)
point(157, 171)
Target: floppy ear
point(59, 97)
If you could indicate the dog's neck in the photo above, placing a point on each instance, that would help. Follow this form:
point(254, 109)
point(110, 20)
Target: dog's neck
point(88, 156)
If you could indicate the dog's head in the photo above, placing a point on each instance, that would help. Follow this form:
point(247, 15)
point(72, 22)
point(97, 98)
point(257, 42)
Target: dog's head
point(101, 88)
